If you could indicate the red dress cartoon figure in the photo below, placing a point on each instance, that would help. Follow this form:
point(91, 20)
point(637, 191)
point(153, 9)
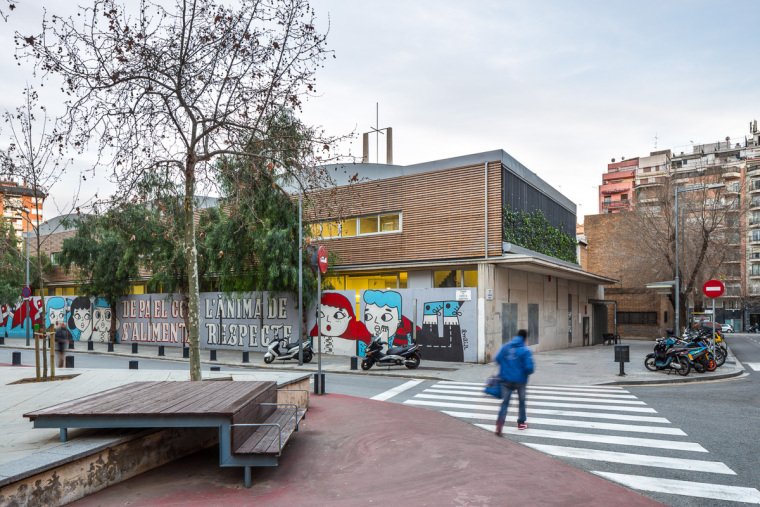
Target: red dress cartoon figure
point(337, 319)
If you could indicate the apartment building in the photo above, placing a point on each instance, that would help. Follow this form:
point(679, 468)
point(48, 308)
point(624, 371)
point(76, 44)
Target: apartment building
point(22, 205)
point(615, 192)
point(734, 164)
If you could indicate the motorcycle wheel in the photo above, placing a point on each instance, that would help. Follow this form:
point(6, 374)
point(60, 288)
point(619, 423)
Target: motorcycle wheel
point(416, 362)
point(649, 362)
point(699, 366)
point(366, 364)
point(720, 357)
point(685, 367)
point(711, 365)
point(268, 358)
point(307, 356)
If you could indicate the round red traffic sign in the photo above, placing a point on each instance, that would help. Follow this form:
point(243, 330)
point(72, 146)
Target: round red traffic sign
point(26, 292)
point(713, 288)
point(322, 256)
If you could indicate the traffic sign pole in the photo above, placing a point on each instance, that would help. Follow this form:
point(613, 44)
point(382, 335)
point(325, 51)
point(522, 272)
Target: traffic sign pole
point(713, 289)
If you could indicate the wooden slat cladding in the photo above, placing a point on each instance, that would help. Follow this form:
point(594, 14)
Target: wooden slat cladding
point(443, 216)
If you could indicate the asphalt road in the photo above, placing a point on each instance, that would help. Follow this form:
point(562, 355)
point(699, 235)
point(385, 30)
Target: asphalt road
point(723, 417)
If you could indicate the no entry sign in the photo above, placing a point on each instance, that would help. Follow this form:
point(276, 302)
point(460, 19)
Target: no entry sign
point(713, 288)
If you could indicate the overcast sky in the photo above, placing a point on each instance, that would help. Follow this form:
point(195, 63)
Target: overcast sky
point(561, 86)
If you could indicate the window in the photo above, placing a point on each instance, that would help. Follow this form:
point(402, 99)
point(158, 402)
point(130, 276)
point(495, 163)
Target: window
point(348, 227)
point(645, 318)
point(756, 235)
point(607, 199)
point(755, 201)
point(455, 278)
point(53, 260)
point(755, 254)
point(756, 270)
point(368, 225)
point(624, 197)
point(755, 185)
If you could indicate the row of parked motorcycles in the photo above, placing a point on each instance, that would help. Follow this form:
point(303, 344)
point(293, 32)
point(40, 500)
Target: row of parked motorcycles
point(694, 350)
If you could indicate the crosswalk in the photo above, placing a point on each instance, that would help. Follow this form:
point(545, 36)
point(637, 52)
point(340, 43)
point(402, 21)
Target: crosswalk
point(754, 366)
point(597, 425)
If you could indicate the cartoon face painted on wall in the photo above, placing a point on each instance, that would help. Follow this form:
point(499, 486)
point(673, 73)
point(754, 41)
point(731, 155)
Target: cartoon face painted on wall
point(101, 321)
point(382, 313)
point(80, 319)
point(56, 311)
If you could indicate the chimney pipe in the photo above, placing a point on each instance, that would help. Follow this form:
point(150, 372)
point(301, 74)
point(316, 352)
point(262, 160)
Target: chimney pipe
point(389, 146)
point(365, 148)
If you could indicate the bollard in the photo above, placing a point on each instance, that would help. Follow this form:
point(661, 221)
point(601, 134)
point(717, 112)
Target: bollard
point(216, 368)
point(354, 362)
point(213, 355)
point(246, 357)
point(319, 383)
point(622, 356)
point(133, 364)
point(71, 344)
point(160, 350)
point(90, 345)
point(2, 340)
point(185, 352)
point(69, 361)
point(110, 346)
point(16, 359)
point(134, 348)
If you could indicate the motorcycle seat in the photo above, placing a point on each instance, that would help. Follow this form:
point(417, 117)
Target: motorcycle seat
point(398, 350)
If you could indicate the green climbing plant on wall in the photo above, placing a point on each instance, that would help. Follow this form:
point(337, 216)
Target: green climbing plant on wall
point(534, 232)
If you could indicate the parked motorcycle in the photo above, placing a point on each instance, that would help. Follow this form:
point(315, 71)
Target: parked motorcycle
point(665, 356)
point(408, 355)
point(281, 350)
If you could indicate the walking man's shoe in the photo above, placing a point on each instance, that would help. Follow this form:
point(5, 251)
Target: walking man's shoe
point(499, 427)
point(522, 426)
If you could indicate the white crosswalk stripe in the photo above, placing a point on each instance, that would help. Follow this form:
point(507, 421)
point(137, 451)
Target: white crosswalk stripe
point(754, 366)
point(593, 424)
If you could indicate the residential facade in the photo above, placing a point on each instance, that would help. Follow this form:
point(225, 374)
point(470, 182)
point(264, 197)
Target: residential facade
point(615, 192)
point(22, 205)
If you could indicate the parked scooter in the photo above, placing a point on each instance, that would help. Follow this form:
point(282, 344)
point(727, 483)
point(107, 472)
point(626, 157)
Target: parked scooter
point(667, 357)
point(408, 355)
point(281, 350)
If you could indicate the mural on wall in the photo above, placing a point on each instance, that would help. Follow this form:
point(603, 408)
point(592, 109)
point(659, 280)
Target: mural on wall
point(446, 321)
point(338, 323)
point(250, 322)
point(450, 346)
point(87, 319)
point(245, 322)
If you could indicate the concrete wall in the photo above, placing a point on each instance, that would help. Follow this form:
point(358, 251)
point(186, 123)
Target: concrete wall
point(550, 295)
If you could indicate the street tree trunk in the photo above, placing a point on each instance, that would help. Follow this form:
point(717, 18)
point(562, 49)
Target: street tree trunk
point(191, 254)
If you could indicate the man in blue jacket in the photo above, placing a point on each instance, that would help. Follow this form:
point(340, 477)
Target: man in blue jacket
point(515, 364)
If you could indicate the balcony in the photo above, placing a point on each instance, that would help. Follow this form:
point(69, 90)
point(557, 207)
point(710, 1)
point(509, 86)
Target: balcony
point(616, 206)
point(732, 174)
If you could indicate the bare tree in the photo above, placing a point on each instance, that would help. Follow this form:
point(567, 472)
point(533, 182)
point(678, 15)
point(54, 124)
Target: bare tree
point(177, 86)
point(36, 155)
point(710, 222)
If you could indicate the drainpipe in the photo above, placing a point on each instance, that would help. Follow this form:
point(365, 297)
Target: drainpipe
point(485, 167)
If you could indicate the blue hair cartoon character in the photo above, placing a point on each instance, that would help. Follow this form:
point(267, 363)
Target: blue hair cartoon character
point(382, 316)
point(56, 311)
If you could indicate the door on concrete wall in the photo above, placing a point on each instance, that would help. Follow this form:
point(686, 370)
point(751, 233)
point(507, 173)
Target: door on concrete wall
point(532, 324)
point(569, 318)
point(508, 321)
point(586, 330)
point(600, 323)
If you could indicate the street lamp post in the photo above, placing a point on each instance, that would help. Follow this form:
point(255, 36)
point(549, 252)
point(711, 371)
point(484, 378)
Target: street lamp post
point(677, 279)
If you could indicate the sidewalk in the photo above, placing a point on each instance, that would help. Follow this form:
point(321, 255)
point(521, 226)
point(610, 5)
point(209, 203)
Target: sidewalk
point(578, 365)
point(25, 451)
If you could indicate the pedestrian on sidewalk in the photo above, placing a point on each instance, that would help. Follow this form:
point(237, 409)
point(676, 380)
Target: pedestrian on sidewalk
point(515, 364)
point(62, 337)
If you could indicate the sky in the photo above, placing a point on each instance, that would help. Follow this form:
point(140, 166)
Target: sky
point(562, 86)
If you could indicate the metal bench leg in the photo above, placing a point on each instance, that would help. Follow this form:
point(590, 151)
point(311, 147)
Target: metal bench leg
point(247, 477)
point(64, 434)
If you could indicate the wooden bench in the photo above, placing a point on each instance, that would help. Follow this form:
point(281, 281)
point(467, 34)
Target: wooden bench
point(253, 426)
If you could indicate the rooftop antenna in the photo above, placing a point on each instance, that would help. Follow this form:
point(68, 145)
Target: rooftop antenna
point(655, 141)
point(378, 132)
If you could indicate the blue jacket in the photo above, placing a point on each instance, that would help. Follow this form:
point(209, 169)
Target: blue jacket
point(515, 361)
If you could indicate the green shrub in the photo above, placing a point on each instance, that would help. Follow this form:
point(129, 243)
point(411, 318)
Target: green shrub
point(533, 231)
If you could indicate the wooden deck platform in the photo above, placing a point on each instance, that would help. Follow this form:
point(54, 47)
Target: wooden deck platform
point(253, 427)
